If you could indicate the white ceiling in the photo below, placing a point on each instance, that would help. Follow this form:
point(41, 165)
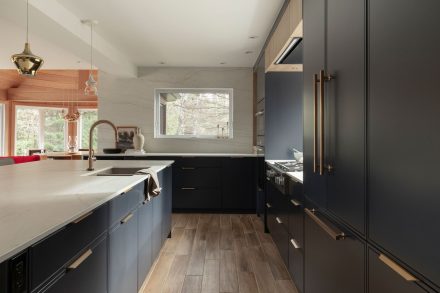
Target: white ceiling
point(182, 32)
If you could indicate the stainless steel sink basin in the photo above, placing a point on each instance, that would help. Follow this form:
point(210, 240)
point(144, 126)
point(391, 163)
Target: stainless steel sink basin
point(118, 172)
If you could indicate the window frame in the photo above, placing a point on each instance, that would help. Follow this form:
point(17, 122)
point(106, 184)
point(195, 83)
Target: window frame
point(158, 112)
point(2, 129)
point(79, 123)
point(41, 125)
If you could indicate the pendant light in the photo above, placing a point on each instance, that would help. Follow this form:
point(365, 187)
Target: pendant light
point(27, 63)
point(91, 84)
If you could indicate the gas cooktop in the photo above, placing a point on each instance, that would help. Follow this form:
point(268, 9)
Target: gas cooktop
point(290, 166)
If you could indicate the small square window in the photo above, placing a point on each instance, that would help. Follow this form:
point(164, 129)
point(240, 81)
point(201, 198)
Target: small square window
point(194, 113)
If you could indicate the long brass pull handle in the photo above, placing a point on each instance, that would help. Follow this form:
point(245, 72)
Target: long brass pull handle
point(83, 217)
point(127, 218)
point(335, 235)
point(321, 122)
point(80, 260)
point(268, 205)
point(294, 244)
point(188, 188)
point(398, 269)
point(188, 168)
point(315, 122)
point(278, 220)
point(295, 203)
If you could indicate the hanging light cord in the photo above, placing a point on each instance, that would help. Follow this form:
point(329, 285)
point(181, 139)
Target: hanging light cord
point(91, 47)
point(27, 21)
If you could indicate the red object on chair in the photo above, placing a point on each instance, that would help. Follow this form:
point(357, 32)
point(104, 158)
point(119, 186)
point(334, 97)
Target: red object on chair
point(24, 159)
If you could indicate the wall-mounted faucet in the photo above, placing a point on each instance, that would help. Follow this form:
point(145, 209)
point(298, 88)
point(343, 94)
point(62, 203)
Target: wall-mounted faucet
point(91, 153)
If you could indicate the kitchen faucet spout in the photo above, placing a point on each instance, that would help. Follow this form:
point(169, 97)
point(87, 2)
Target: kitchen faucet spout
point(94, 125)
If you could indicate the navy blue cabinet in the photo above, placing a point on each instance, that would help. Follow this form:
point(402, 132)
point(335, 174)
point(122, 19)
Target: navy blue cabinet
point(166, 182)
point(157, 203)
point(122, 255)
point(403, 194)
point(332, 264)
point(145, 235)
point(86, 274)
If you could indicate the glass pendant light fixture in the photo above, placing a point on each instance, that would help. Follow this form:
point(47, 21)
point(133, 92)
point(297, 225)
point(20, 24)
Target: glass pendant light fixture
point(91, 84)
point(27, 63)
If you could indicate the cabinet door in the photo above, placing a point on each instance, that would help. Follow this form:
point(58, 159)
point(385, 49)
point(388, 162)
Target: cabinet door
point(123, 250)
point(382, 279)
point(314, 48)
point(145, 229)
point(403, 137)
point(238, 184)
point(157, 225)
point(345, 110)
point(89, 276)
point(296, 264)
point(166, 181)
point(332, 266)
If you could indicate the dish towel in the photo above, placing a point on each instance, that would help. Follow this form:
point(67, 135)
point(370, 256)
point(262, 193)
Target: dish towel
point(152, 187)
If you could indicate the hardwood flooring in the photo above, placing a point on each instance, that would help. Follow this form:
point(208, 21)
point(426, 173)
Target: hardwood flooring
point(218, 253)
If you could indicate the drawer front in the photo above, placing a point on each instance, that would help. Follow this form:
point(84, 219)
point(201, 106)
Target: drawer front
point(90, 276)
point(197, 199)
point(121, 205)
point(280, 237)
point(197, 177)
point(53, 252)
point(334, 266)
point(381, 278)
point(296, 263)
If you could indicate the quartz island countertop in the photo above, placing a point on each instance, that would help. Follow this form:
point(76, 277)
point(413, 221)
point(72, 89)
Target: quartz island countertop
point(38, 198)
point(179, 155)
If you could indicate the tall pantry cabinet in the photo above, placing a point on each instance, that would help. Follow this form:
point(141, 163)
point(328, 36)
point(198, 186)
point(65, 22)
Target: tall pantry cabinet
point(371, 107)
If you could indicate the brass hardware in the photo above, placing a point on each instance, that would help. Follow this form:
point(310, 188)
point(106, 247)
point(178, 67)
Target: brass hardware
point(321, 132)
point(268, 205)
point(398, 269)
point(188, 188)
point(259, 113)
point(334, 234)
point(127, 218)
point(278, 220)
point(329, 168)
point(127, 190)
point(294, 244)
point(295, 203)
point(315, 121)
point(94, 125)
point(80, 260)
point(188, 168)
point(82, 217)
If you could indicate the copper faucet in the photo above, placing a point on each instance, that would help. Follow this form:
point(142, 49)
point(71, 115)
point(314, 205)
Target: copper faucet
point(91, 152)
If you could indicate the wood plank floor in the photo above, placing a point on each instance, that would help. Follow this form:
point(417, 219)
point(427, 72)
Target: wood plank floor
point(218, 253)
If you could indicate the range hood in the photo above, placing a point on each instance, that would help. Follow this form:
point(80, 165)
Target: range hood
point(290, 50)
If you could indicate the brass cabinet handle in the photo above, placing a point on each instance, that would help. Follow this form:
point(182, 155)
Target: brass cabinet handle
point(259, 113)
point(295, 203)
point(278, 220)
point(268, 205)
point(188, 188)
point(83, 217)
point(80, 260)
point(322, 122)
point(398, 269)
point(127, 190)
point(188, 168)
point(334, 234)
point(295, 244)
point(315, 121)
point(127, 218)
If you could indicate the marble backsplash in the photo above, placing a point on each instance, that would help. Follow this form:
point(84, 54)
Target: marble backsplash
point(130, 102)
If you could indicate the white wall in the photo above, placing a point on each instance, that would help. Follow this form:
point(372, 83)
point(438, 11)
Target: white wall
point(130, 101)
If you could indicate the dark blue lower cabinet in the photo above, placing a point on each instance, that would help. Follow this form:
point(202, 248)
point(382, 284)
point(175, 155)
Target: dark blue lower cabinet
point(166, 182)
point(296, 263)
point(123, 255)
point(385, 276)
point(145, 232)
point(86, 274)
point(156, 239)
point(333, 264)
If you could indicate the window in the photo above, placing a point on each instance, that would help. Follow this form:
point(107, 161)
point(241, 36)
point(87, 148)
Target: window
point(2, 130)
point(193, 113)
point(38, 127)
point(87, 118)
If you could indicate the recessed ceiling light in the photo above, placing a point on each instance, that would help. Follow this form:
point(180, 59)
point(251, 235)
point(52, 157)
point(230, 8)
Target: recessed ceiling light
point(222, 63)
point(253, 37)
point(161, 63)
point(249, 52)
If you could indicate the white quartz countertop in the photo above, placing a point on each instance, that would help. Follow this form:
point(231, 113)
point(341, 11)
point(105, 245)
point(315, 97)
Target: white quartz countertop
point(182, 155)
point(38, 198)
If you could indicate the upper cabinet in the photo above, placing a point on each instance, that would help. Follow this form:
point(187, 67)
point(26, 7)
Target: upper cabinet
point(288, 28)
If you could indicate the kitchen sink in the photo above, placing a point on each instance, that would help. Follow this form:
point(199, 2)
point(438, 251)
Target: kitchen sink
point(117, 172)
